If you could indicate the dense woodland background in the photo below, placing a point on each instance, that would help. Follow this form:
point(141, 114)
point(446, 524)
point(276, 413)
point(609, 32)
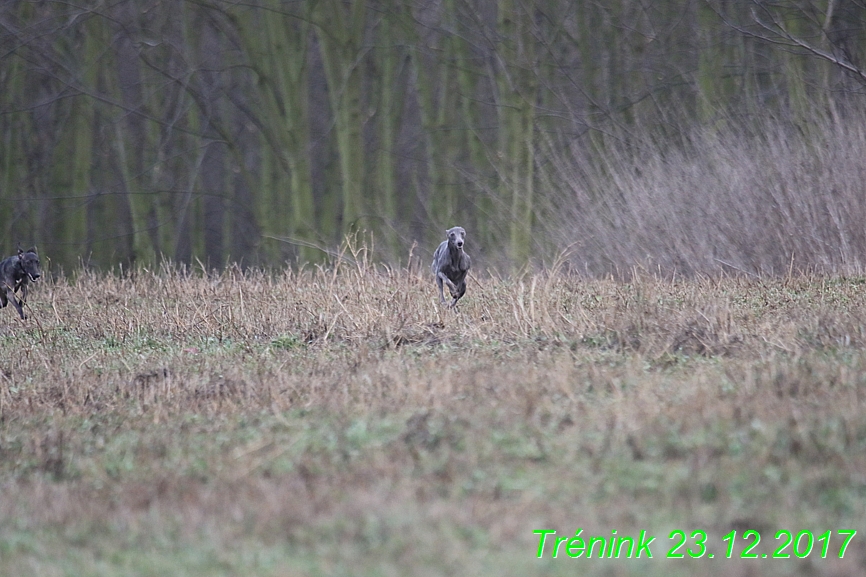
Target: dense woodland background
point(681, 136)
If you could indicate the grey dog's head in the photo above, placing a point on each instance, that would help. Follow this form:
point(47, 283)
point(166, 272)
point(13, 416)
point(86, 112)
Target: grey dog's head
point(456, 236)
point(30, 263)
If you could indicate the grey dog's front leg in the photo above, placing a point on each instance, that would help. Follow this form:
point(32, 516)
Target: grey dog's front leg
point(441, 292)
point(441, 278)
point(446, 280)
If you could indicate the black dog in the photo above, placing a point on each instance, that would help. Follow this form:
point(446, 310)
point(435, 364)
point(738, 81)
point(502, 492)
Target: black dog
point(15, 273)
point(450, 265)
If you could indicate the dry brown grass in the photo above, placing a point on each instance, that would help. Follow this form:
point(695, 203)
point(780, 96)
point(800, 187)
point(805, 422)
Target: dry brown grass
point(338, 421)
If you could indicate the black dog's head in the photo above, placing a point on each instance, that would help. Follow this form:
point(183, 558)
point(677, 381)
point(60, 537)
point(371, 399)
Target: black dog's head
point(456, 236)
point(30, 263)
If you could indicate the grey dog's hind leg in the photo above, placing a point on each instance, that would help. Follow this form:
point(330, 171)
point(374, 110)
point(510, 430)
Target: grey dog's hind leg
point(457, 294)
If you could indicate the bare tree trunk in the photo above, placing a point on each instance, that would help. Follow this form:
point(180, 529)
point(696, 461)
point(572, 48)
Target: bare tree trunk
point(340, 31)
point(279, 43)
point(389, 113)
point(517, 92)
point(213, 173)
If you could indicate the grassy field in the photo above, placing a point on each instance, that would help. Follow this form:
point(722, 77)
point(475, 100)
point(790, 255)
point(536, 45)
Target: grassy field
point(338, 422)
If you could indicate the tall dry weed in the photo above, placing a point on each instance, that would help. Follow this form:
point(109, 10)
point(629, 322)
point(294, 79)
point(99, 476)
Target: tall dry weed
point(763, 200)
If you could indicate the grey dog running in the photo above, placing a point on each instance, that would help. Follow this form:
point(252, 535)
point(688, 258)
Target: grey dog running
point(450, 265)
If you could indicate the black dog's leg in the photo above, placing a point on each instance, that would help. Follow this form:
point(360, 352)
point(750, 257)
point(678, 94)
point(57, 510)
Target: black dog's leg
point(10, 294)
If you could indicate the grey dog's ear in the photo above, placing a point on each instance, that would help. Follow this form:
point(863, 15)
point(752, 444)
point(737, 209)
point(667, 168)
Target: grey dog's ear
point(32, 249)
